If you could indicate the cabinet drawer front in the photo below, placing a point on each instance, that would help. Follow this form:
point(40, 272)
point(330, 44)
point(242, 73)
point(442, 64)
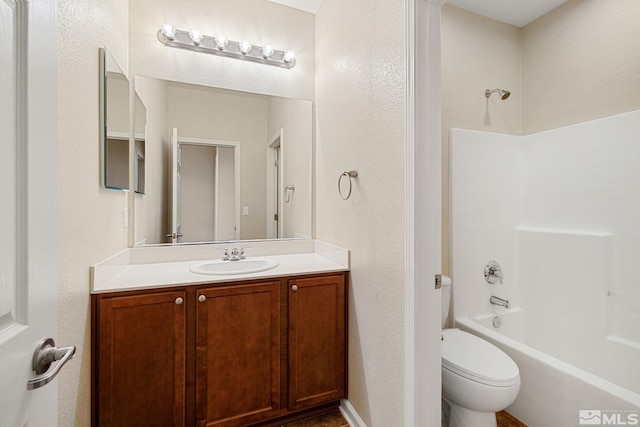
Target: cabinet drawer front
point(141, 360)
point(317, 337)
point(238, 354)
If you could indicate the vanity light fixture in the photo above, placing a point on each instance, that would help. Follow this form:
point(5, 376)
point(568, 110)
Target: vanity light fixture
point(267, 51)
point(195, 36)
point(219, 45)
point(168, 31)
point(245, 47)
point(221, 42)
point(289, 56)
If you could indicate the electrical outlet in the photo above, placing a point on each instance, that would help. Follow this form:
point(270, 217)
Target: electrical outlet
point(245, 210)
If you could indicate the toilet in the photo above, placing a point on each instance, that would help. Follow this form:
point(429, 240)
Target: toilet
point(478, 379)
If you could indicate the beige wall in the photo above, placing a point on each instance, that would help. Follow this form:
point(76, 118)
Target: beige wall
point(229, 116)
point(90, 226)
point(118, 103)
point(216, 114)
point(151, 208)
point(117, 163)
point(258, 21)
point(360, 124)
point(478, 53)
point(295, 118)
point(225, 193)
point(580, 62)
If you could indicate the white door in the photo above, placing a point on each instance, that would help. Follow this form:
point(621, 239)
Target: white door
point(225, 193)
point(207, 189)
point(28, 269)
point(175, 235)
point(275, 179)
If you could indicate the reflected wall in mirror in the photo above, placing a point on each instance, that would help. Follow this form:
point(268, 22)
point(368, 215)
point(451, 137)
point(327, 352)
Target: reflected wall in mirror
point(140, 120)
point(218, 163)
point(114, 126)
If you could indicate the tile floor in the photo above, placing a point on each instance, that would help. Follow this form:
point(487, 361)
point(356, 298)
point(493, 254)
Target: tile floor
point(505, 419)
point(328, 419)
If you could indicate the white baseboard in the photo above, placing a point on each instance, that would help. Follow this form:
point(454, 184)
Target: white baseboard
point(349, 413)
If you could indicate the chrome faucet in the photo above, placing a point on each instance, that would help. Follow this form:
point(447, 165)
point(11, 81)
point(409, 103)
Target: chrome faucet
point(493, 273)
point(499, 301)
point(233, 254)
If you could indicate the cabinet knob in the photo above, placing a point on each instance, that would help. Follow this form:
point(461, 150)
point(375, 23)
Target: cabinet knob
point(294, 288)
point(179, 300)
point(202, 298)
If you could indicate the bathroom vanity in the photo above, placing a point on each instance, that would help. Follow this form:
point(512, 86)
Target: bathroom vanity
point(217, 350)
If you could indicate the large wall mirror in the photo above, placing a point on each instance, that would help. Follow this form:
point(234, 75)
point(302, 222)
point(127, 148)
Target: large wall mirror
point(223, 165)
point(114, 126)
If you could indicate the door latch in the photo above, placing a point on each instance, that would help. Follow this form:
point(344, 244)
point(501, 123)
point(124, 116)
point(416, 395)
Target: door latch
point(438, 281)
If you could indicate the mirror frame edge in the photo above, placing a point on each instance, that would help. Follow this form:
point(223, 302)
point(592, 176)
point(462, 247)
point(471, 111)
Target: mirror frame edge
point(102, 111)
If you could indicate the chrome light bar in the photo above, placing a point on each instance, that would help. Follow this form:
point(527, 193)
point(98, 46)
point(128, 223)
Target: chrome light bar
point(197, 42)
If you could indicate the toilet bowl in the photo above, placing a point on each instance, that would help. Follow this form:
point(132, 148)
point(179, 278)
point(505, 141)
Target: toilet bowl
point(478, 379)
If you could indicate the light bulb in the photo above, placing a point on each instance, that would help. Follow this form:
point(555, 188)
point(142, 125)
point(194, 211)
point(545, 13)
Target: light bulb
point(245, 47)
point(196, 36)
point(289, 57)
point(221, 42)
point(168, 31)
point(267, 51)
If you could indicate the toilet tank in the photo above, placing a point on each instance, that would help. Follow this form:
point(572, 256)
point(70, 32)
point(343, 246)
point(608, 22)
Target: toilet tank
point(445, 295)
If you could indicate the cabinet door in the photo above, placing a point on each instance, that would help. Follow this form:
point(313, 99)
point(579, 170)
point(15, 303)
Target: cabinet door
point(316, 341)
point(238, 354)
point(141, 360)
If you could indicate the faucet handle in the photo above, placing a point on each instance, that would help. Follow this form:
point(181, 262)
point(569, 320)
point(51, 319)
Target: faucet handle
point(242, 254)
point(493, 272)
point(225, 257)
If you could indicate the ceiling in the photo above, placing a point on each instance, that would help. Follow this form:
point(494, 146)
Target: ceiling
point(306, 5)
point(514, 12)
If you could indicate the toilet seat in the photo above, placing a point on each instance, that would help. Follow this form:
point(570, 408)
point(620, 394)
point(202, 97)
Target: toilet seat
point(477, 360)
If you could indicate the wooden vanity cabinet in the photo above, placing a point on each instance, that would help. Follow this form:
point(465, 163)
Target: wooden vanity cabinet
point(317, 314)
point(238, 354)
point(225, 355)
point(140, 362)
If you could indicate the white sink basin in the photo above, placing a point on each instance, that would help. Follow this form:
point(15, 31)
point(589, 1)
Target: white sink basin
point(243, 266)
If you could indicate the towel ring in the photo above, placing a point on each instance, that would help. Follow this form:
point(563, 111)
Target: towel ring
point(348, 174)
point(288, 192)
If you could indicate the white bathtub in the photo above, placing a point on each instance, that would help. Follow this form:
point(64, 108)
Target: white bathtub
point(554, 391)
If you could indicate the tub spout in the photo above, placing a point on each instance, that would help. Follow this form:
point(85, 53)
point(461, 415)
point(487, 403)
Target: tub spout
point(499, 301)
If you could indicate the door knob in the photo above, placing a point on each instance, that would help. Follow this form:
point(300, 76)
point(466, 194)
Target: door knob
point(46, 353)
point(294, 288)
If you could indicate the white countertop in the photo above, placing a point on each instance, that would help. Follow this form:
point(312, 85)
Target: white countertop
point(159, 267)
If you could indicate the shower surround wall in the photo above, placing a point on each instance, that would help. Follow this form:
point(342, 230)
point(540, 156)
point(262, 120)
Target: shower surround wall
point(562, 69)
point(560, 211)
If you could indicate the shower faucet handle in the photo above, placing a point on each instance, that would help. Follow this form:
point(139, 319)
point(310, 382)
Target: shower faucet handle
point(493, 273)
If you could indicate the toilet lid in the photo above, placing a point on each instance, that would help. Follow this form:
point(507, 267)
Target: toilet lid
point(477, 359)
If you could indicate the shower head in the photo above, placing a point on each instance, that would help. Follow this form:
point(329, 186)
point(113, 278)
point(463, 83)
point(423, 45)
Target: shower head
point(504, 94)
